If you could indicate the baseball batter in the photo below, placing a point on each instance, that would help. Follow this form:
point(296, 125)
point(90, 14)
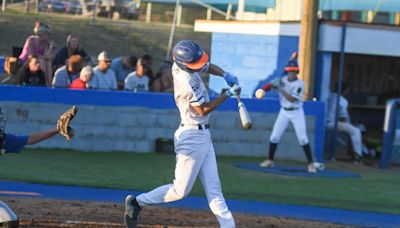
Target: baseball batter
point(194, 150)
point(10, 143)
point(291, 91)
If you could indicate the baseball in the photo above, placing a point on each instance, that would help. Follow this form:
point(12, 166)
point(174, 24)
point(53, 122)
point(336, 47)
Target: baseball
point(260, 93)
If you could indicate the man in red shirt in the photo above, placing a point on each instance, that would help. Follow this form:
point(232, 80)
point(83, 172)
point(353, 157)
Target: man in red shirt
point(83, 80)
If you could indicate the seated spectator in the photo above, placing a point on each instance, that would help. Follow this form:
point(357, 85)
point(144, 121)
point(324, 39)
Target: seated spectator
point(164, 81)
point(66, 74)
point(138, 80)
point(122, 66)
point(41, 46)
point(72, 47)
point(344, 123)
point(84, 78)
point(147, 61)
point(30, 73)
point(103, 77)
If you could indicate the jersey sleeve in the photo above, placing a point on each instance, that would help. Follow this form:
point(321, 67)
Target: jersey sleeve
point(14, 144)
point(196, 97)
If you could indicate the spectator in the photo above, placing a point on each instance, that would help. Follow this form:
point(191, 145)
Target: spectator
point(147, 60)
point(122, 66)
point(41, 46)
point(72, 47)
point(66, 74)
point(30, 73)
point(103, 77)
point(164, 81)
point(138, 80)
point(84, 78)
point(344, 123)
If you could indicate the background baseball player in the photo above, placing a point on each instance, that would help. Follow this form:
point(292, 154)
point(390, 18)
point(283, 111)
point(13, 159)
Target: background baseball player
point(10, 143)
point(195, 154)
point(344, 123)
point(291, 91)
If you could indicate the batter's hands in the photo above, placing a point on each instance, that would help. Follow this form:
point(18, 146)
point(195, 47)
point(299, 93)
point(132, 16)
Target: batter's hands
point(276, 83)
point(230, 79)
point(237, 90)
point(230, 91)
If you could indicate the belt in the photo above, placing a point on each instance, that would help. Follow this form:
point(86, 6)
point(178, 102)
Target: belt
point(290, 109)
point(196, 126)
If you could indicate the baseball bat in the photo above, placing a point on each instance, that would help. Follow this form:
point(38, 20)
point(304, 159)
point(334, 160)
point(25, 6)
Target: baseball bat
point(244, 115)
point(268, 85)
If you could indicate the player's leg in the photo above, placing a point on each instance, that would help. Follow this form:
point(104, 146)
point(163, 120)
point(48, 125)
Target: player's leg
point(7, 216)
point(355, 136)
point(189, 158)
point(41, 135)
point(279, 128)
point(189, 149)
point(299, 123)
point(212, 186)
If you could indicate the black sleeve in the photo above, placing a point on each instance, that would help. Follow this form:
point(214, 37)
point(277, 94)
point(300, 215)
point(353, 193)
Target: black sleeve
point(61, 56)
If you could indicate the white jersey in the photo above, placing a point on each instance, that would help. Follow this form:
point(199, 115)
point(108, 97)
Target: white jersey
point(294, 88)
point(343, 105)
point(189, 89)
point(136, 83)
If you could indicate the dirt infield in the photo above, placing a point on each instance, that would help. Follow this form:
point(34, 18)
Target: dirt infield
point(37, 212)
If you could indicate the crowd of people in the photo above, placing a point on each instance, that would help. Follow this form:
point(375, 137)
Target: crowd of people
point(41, 64)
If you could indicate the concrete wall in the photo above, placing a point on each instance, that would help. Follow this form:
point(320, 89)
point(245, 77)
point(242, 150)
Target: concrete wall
point(133, 127)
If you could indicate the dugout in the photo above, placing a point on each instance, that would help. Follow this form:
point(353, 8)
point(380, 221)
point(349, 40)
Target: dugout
point(259, 50)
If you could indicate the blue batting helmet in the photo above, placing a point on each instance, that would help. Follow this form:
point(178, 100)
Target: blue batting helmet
point(292, 66)
point(189, 56)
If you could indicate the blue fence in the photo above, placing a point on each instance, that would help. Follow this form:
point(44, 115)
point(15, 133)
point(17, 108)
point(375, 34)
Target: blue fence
point(154, 101)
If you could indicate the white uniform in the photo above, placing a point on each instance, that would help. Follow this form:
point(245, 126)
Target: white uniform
point(345, 126)
point(291, 112)
point(195, 154)
point(136, 83)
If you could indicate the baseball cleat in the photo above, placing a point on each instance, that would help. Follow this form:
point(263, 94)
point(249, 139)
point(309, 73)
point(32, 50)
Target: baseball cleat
point(132, 211)
point(267, 164)
point(311, 168)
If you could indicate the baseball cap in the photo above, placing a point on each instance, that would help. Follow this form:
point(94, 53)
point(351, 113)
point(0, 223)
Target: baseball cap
point(104, 56)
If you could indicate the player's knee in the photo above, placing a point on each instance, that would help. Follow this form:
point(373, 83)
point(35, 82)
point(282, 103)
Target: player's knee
point(303, 141)
point(274, 139)
point(181, 193)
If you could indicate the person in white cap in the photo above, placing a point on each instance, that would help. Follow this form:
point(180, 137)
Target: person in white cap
point(104, 77)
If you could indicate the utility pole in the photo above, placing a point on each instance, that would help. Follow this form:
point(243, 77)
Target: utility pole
point(308, 45)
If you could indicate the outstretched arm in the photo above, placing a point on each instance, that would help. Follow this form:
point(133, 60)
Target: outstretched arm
point(41, 135)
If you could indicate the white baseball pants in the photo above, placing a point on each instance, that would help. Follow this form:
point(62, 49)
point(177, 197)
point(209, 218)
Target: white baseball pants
point(195, 156)
point(297, 118)
point(355, 135)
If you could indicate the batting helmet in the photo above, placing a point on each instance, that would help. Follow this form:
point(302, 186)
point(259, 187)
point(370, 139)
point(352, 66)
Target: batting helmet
point(292, 66)
point(189, 56)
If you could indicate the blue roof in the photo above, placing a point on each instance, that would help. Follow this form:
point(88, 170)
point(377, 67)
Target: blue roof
point(361, 5)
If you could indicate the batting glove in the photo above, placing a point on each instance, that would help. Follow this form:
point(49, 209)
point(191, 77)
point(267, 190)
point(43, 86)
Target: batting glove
point(237, 90)
point(230, 79)
point(228, 91)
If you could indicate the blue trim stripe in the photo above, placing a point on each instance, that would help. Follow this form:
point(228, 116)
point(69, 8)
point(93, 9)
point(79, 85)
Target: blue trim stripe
point(197, 100)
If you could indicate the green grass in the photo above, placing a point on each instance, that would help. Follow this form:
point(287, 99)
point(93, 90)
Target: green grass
point(121, 37)
point(376, 190)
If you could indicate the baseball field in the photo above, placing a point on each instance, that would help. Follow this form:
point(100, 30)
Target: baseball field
point(374, 191)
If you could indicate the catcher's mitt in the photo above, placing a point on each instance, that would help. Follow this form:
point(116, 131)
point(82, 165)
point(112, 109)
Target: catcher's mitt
point(63, 123)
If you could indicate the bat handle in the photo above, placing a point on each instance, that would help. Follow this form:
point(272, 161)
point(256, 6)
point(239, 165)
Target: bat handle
point(238, 98)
